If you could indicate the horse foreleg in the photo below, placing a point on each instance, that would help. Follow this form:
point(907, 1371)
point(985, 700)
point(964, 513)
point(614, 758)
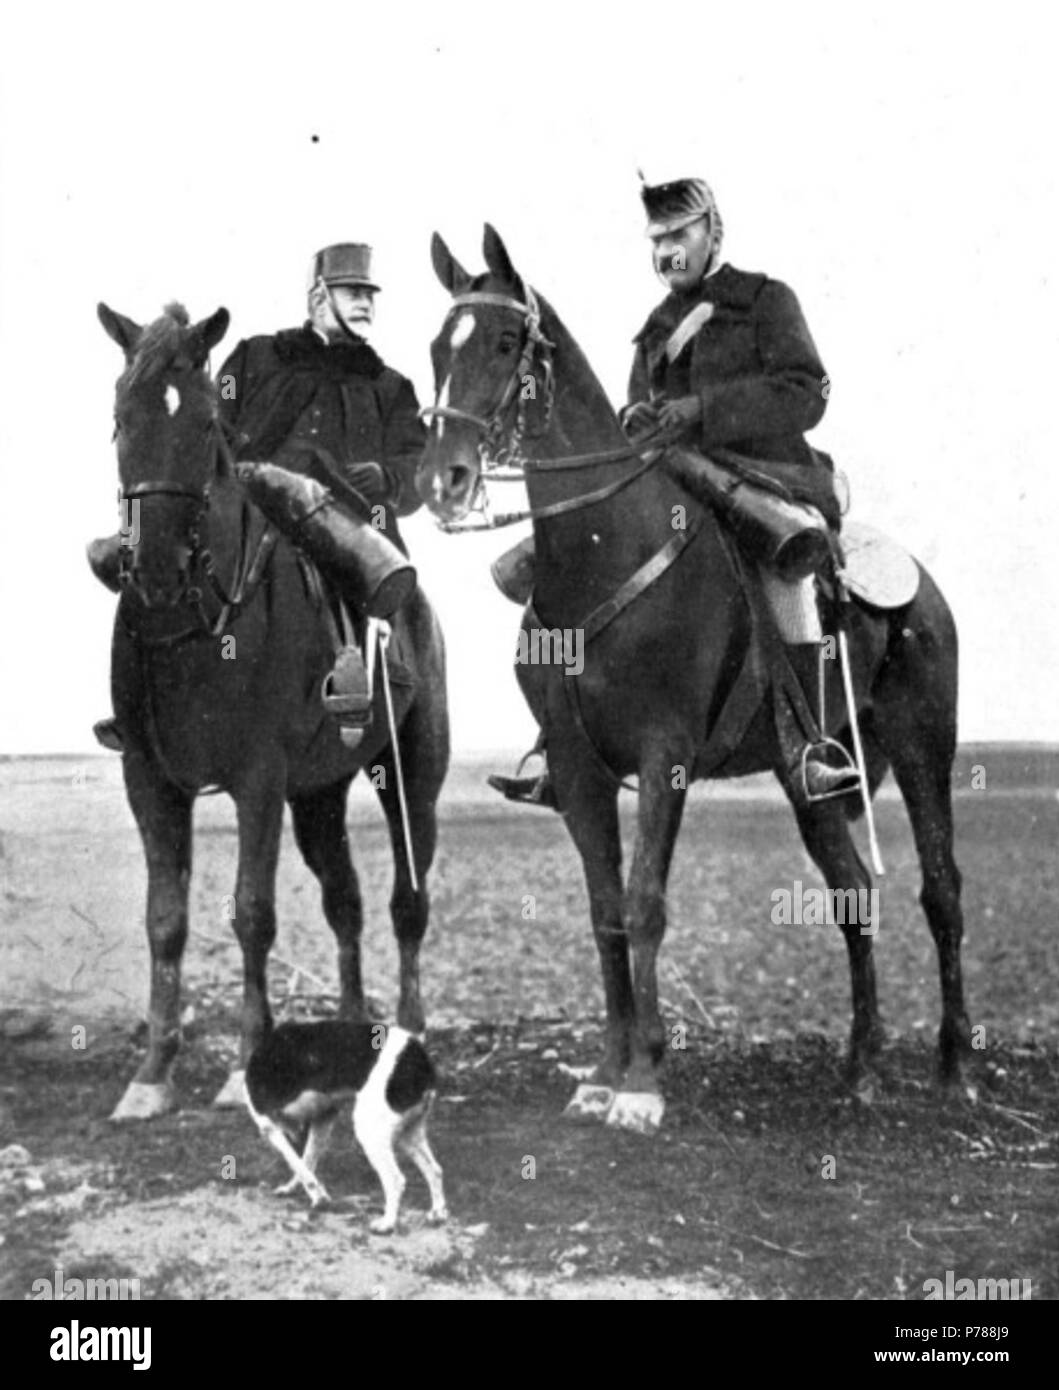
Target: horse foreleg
point(639, 1105)
point(320, 832)
point(424, 746)
point(259, 811)
point(163, 815)
point(590, 808)
point(825, 831)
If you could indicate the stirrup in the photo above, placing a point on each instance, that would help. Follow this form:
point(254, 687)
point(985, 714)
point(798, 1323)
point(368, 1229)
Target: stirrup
point(531, 791)
point(346, 696)
point(844, 777)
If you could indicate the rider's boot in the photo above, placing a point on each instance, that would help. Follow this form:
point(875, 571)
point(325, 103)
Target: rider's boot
point(818, 767)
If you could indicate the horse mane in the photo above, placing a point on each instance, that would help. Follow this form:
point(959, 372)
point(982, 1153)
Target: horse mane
point(567, 347)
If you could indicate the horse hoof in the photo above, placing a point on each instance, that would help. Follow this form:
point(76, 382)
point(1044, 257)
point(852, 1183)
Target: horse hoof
point(232, 1095)
point(638, 1111)
point(144, 1100)
point(961, 1088)
point(589, 1103)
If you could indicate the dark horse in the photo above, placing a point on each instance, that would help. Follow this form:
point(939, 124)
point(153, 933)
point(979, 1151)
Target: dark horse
point(656, 676)
point(219, 652)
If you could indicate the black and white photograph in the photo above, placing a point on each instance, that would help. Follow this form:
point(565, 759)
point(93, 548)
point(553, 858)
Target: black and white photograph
point(529, 738)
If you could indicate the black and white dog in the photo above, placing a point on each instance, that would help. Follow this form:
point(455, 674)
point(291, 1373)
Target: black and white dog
point(303, 1073)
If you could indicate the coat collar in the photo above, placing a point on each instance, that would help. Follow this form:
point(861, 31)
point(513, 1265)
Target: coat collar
point(301, 347)
point(726, 288)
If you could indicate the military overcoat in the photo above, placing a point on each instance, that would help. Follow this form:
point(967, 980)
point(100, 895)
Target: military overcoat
point(285, 395)
point(755, 369)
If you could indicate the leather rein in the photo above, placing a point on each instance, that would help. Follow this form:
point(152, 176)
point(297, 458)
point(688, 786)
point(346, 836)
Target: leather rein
point(500, 446)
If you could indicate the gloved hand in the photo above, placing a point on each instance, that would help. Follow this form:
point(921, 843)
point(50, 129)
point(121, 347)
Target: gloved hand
point(638, 418)
point(370, 480)
point(678, 414)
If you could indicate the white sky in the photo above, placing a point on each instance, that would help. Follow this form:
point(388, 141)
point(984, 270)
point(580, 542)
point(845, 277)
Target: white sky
point(895, 164)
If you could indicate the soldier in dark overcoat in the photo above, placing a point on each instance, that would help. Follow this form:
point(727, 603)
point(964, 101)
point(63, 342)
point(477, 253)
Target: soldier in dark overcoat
point(287, 396)
point(320, 400)
point(727, 361)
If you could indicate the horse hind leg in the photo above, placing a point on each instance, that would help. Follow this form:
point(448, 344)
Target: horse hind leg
point(319, 820)
point(163, 815)
point(915, 718)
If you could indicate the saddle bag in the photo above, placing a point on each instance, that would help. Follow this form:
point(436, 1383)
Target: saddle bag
point(372, 573)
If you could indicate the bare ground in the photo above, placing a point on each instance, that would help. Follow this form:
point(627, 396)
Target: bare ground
point(733, 1200)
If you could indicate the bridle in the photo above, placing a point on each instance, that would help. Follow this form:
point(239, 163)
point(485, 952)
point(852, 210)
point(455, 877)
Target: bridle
point(499, 447)
point(199, 572)
point(500, 444)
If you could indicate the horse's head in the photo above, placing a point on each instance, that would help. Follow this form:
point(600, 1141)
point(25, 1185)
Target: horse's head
point(492, 373)
point(165, 426)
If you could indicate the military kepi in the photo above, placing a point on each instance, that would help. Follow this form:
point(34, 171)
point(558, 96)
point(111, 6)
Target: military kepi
point(347, 263)
point(670, 206)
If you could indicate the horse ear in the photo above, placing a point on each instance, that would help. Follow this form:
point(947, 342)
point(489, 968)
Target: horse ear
point(447, 268)
point(496, 257)
point(124, 331)
point(213, 329)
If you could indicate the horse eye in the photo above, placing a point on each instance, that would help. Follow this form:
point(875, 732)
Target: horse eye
point(507, 345)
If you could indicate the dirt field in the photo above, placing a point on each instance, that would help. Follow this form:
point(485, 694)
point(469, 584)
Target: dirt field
point(765, 1182)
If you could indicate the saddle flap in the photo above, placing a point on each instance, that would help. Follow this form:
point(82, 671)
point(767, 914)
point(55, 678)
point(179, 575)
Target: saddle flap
point(877, 571)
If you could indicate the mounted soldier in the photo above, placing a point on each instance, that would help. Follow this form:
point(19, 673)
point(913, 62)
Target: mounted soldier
point(343, 438)
point(726, 366)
